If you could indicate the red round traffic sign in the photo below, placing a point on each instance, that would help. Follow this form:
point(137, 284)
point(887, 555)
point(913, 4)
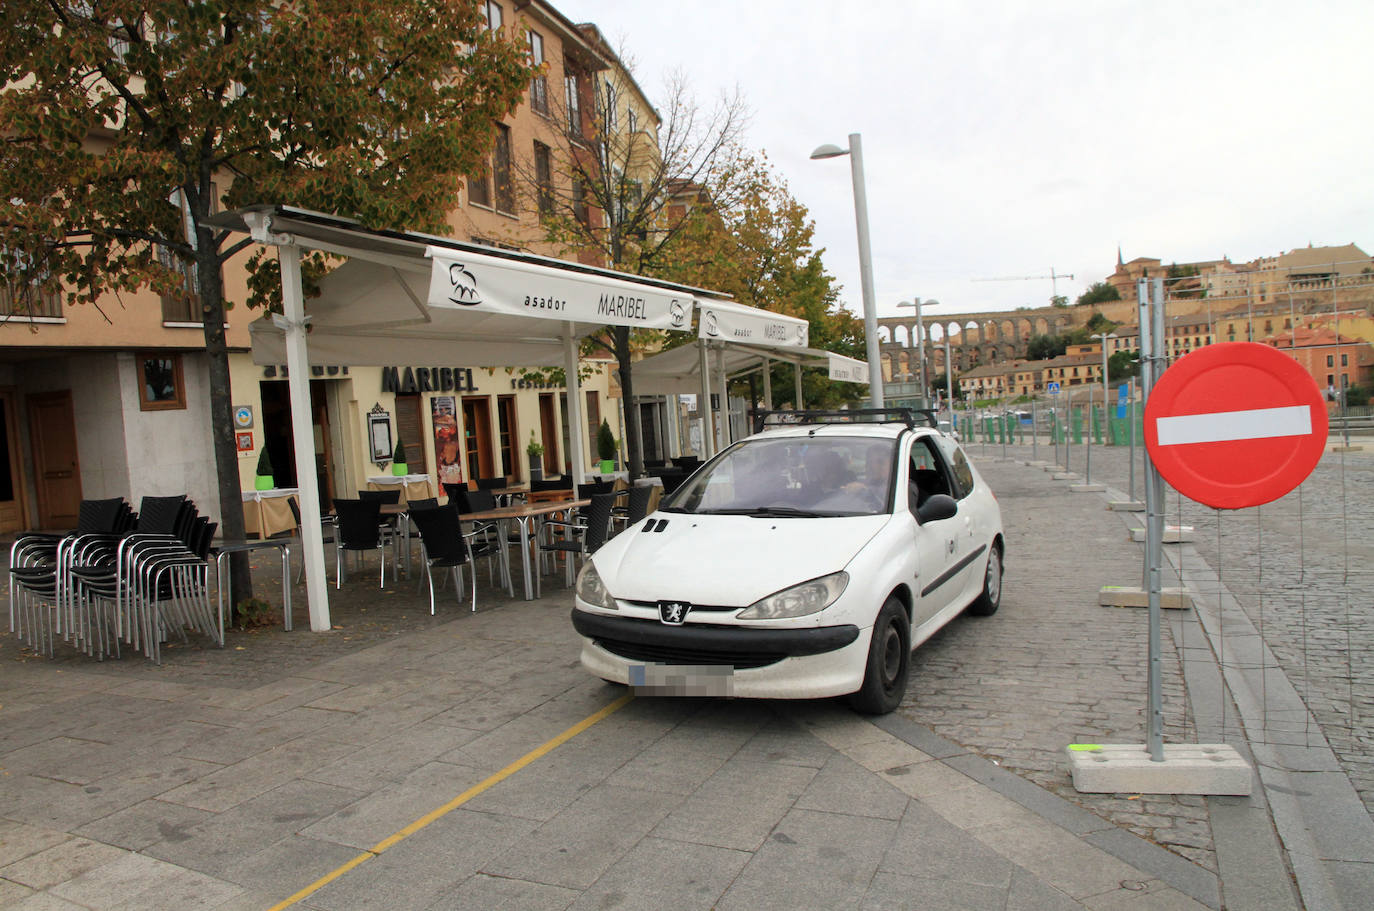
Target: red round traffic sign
point(1235, 424)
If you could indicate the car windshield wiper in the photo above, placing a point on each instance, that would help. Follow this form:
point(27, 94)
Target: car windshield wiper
point(782, 512)
point(673, 509)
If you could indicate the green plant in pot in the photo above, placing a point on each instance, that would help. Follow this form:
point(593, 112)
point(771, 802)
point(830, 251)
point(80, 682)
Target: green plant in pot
point(398, 459)
point(265, 479)
point(605, 447)
point(535, 450)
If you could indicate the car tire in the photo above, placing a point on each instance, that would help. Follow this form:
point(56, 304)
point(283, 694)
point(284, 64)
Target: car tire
point(990, 598)
point(889, 662)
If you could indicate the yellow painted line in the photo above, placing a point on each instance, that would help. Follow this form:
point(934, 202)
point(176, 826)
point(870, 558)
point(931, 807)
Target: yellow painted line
point(392, 840)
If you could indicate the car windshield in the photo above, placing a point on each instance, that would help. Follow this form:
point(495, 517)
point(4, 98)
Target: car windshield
point(793, 477)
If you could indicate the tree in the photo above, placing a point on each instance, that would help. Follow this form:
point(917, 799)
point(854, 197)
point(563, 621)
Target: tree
point(761, 253)
point(1123, 364)
point(623, 195)
point(1097, 293)
point(128, 124)
point(1044, 347)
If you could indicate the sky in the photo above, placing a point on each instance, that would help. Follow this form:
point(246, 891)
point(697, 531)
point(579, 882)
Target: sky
point(1015, 139)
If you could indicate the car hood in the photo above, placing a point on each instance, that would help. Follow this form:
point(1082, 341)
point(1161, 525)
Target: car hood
point(727, 560)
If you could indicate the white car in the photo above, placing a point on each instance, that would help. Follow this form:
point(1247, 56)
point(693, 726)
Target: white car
point(805, 561)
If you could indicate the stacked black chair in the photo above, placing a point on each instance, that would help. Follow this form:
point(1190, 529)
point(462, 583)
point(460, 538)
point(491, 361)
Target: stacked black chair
point(445, 547)
point(37, 563)
point(486, 535)
point(543, 484)
point(359, 530)
point(584, 536)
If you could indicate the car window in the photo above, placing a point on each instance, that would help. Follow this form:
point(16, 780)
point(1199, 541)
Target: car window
point(960, 470)
point(928, 473)
point(804, 476)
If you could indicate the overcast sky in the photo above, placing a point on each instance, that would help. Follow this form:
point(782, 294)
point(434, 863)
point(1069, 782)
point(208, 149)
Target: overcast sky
point(1013, 138)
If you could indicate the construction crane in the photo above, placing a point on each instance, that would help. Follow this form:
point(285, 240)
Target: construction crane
point(1054, 278)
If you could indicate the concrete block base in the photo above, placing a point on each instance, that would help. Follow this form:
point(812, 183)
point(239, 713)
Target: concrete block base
point(1041, 463)
point(1087, 488)
point(1346, 448)
point(1065, 476)
point(1126, 506)
point(1135, 596)
point(1187, 768)
point(1173, 534)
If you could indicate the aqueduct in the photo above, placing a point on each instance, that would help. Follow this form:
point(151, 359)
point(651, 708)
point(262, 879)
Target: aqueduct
point(974, 338)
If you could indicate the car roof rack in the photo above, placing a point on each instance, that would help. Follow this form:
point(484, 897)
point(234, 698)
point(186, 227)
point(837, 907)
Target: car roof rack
point(907, 416)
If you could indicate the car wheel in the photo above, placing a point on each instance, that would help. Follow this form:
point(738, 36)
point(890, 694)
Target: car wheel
point(889, 662)
point(990, 598)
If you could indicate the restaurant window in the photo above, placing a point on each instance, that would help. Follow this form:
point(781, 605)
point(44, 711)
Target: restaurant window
point(479, 187)
point(611, 116)
point(539, 85)
point(573, 103)
point(580, 211)
point(501, 170)
point(491, 12)
point(593, 420)
point(543, 178)
point(160, 386)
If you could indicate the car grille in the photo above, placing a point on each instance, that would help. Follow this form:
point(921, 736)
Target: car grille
point(696, 608)
point(638, 651)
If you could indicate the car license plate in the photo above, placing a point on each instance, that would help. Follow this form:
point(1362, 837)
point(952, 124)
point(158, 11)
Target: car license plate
point(683, 679)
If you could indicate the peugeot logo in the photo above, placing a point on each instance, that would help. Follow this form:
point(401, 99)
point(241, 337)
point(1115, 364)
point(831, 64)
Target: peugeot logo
point(673, 613)
point(677, 313)
point(464, 286)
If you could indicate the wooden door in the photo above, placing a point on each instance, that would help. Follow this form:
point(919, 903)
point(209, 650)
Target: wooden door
point(477, 434)
point(505, 414)
point(324, 467)
point(548, 428)
point(11, 475)
point(57, 472)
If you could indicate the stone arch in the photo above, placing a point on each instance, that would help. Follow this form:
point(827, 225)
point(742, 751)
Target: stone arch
point(901, 335)
point(884, 335)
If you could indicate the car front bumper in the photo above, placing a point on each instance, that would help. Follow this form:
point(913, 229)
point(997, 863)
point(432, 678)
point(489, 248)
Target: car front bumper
point(805, 663)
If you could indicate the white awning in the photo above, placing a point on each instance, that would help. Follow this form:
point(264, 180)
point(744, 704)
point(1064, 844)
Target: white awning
point(678, 370)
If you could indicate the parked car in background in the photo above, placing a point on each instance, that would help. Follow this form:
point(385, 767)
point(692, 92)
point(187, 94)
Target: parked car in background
point(804, 561)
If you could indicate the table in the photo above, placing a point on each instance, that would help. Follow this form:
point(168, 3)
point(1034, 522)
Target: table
point(267, 512)
point(413, 486)
point(523, 514)
point(224, 548)
point(505, 495)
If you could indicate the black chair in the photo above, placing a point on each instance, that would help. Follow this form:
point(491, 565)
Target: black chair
point(445, 547)
point(486, 535)
point(598, 486)
point(583, 536)
point(655, 463)
point(542, 484)
point(687, 462)
point(359, 530)
point(490, 483)
point(635, 508)
point(384, 497)
point(161, 515)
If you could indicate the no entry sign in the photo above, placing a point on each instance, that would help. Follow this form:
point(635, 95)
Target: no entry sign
point(1235, 424)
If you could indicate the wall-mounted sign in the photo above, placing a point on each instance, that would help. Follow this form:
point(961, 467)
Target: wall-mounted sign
point(243, 417)
point(244, 441)
point(379, 434)
point(415, 380)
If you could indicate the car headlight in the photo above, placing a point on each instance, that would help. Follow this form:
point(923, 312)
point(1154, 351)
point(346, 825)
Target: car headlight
point(799, 600)
point(591, 589)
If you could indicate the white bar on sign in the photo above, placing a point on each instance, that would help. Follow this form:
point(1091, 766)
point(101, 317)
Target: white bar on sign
point(1225, 426)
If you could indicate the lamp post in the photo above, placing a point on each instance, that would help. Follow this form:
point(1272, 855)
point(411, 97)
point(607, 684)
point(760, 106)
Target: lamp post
point(856, 163)
point(921, 343)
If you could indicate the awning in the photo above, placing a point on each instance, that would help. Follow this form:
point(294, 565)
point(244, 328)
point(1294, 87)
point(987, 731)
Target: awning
point(416, 299)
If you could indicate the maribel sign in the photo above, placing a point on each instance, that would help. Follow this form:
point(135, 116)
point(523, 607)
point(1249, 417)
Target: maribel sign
point(427, 379)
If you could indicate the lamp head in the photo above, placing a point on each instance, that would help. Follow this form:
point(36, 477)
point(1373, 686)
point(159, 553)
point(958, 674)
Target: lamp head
point(829, 150)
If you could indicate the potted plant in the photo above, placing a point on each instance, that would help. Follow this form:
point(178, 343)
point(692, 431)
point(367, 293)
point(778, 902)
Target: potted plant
point(265, 479)
point(535, 450)
point(398, 459)
point(605, 447)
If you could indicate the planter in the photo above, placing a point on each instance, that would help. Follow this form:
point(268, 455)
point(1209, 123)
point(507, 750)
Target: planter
point(536, 469)
point(400, 468)
point(608, 466)
point(264, 482)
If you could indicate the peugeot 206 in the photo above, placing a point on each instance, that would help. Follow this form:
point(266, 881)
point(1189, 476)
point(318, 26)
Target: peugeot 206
point(805, 561)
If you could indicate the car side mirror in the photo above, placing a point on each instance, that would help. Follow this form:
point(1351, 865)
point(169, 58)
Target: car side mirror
point(936, 507)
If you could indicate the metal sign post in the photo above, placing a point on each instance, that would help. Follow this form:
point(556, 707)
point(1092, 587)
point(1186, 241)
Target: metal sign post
point(1152, 316)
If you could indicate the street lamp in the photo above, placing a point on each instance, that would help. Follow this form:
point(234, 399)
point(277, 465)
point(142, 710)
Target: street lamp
point(921, 342)
point(856, 163)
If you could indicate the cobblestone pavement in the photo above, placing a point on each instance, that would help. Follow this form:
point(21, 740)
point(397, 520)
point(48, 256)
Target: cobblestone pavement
point(1303, 569)
point(1052, 667)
